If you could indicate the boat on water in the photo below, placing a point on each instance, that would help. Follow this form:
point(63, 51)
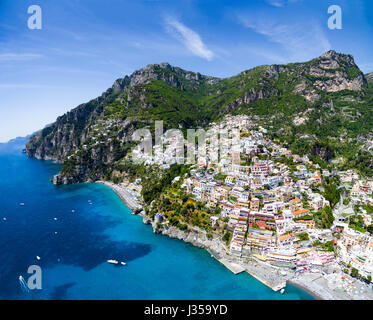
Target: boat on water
point(38, 258)
point(22, 204)
point(282, 291)
point(23, 284)
point(116, 262)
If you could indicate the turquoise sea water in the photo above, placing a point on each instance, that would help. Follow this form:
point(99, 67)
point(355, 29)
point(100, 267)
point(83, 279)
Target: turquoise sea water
point(73, 261)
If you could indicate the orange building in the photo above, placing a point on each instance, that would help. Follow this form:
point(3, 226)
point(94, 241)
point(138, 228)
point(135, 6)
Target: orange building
point(300, 213)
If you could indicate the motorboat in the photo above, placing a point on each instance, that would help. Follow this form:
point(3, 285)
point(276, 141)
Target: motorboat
point(113, 261)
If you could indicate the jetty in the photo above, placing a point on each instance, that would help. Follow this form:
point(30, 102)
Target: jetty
point(267, 275)
point(233, 267)
point(274, 285)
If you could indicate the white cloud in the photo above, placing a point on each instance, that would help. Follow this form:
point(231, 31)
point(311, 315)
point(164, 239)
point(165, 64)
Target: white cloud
point(300, 41)
point(280, 3)
point(189, 38)
point(19, 56)
point(276, 3)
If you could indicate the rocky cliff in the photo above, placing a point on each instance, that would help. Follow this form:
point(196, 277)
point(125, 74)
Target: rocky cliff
point(194, 235)
point(369, 77)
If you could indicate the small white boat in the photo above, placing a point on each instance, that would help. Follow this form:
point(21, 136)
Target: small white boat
point(4, 219)
point(282, 291)
point(38, 258)
point(23, 284)
point(55, 232)
point(72, 211)
point(55, 219)
point(123, 263)
point(113, 261)
point(22, 204)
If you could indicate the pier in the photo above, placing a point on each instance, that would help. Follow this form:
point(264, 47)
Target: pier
point(267, 275)
point(233, 267)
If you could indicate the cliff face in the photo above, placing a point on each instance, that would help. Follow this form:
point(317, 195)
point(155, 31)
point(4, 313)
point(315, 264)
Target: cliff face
point(302, 98)
point(332, 72)
point(106, 143)
point(194, 235)
point(65, 135)
point(170, 75)
point(369, 77)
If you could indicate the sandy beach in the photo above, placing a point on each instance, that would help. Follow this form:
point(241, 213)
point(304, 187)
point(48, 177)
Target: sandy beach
point(124, 194)
point(332, 286)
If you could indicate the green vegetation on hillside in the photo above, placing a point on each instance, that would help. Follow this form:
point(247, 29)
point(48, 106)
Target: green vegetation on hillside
point(325, 126)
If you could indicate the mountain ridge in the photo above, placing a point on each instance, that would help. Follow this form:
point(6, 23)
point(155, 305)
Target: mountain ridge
point(325, 100)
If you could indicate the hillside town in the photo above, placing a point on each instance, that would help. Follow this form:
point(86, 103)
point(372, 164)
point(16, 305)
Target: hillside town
point(273, 203)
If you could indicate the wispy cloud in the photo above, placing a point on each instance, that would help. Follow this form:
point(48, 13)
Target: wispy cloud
point(281, 3)
point(300, 41)
point(366, 67)
point(19, 56)
point(276, 3)
point(189, 38)
point(268, 55)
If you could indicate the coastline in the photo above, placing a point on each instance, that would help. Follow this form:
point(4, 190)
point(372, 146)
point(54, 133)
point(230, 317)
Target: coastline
point(124, 195)
point(314, 284)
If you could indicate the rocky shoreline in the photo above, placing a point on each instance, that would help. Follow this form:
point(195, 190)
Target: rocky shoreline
point(316, 284)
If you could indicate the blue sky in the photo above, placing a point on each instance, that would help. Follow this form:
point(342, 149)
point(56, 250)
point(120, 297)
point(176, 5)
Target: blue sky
point(84, 45)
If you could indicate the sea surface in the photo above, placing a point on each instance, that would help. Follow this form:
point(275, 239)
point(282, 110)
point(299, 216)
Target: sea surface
point(74, 246)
